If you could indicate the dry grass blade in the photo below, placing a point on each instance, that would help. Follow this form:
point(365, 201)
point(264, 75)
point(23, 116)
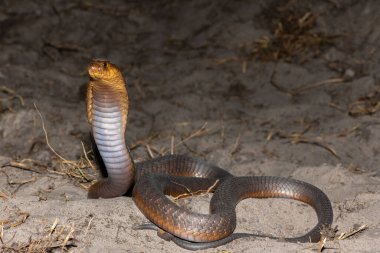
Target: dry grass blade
point(150, 152)
point(270, 135)
point(22, 166)
point(244, 67)
point(64, 46)
point(299, 139)
point(367, 105)
point(144, 141)
point(199, 192)
point(53, 226)
point(213, 186)
point(88, 226)
point(18, 183)
point(353, 231)
point(304, 88)
point(188, 191)
point(358, 108)
point(72, 168)
point(200, 132)
point(348, 131)
point(236, 146)
point(46, 135)
point(112, 11)
point(275, 85)
point(193, 151)
point(327, 234)
point(6, 195)
point(139, 88)
point(172, 145)
point(15, 220)
point(32, 179)
point(13, 94)
point(321, 245)
point(85, 155)
point(1, 232)
point(336, 106)
point(58, 236)
point(67, 238)
point(293, 34)
point(24, 216)
point(225, 60)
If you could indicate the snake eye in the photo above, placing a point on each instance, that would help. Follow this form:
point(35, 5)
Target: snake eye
point(105, 65)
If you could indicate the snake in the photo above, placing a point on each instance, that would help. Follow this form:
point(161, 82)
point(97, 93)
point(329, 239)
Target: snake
point(151, 181)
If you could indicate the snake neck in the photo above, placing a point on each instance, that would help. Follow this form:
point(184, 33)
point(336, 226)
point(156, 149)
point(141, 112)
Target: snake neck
point(109, 114)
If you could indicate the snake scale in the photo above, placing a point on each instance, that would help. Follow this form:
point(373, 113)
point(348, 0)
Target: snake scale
point(152, 180)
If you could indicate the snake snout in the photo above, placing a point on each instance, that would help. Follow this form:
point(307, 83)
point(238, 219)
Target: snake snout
point(94, 69)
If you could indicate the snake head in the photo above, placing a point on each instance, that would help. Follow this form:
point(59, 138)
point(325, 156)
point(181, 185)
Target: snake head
point(104, 70)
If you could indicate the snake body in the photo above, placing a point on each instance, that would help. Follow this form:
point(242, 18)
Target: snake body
point(107, 112)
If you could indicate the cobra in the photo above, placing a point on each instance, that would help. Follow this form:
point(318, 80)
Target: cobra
point(107, 113)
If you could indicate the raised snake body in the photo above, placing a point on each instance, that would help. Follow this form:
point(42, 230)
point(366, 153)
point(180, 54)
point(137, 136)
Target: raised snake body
point(107, 112)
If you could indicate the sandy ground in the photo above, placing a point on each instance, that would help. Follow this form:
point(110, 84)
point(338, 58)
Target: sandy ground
point(285, 88)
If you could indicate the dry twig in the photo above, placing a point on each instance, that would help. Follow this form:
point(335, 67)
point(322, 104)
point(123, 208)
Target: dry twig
point(21, 165)
point(353, 231)
point(13, 94)
point(200, 132)
point(18, 183)
point(172, 145)
point(367, 105)
point(15, 220)
point(6, 195)
point(293, 35)
point(199, 192)
point(300, 138)
point(71, 168)
point(149, 149)
point(58, 236)
point(304, 88)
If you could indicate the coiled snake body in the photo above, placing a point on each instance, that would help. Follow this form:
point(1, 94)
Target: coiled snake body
point(107, 112)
